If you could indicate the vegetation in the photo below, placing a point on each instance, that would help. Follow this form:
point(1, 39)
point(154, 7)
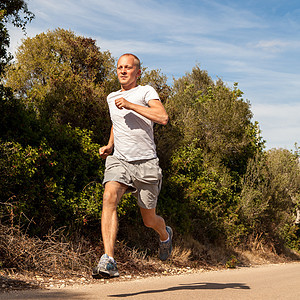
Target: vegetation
point(221, 186)
point(64, 79)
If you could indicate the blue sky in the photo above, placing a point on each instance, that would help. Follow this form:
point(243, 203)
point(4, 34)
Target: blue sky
point(255, 43)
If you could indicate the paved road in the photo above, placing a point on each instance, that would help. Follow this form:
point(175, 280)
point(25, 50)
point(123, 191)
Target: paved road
point(264, 282)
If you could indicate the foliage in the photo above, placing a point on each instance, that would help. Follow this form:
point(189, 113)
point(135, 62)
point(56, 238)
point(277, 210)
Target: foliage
point(270, 194)
point(18, 123)
point(63, 77)
point(4, 43)
point(203, 188)
point(55, 183)
point(11, 11)
point(158, 81)
point(217, 116)
point(16, 11)
point(232, 262)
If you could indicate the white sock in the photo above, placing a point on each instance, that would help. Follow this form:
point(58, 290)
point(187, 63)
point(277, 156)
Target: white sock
point(166, 239)
point(111, 258)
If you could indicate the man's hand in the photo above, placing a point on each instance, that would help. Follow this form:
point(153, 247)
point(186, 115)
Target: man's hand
point(105, 151)
point(122, 103)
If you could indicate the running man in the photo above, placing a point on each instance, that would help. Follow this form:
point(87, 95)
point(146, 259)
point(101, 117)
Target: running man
point(133, 166)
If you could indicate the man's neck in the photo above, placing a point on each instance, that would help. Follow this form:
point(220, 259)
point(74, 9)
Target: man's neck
point(127, 88)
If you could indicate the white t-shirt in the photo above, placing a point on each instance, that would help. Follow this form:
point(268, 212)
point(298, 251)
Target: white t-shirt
point(133, 133)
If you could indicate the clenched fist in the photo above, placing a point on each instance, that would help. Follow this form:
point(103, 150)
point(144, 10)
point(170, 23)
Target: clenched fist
point(122, 103)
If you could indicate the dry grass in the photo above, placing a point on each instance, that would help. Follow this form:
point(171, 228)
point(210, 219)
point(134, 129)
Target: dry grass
point(53, 254)
point(54, 257)
point(181, 256)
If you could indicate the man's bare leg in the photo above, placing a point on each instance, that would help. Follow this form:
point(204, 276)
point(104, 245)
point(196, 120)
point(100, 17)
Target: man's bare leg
point(113, 193)
point(154, 221)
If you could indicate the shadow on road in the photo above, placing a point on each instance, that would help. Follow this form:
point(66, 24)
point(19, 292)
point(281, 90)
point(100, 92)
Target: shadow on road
point(191, 286)
point(50, 295)
point(15, 284)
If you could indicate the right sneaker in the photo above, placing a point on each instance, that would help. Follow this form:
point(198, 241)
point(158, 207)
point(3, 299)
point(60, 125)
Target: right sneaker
point(165, 248)
point(106, 268)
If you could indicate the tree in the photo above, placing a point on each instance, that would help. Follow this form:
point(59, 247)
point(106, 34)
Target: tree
point(270, 195)
point(158, 81)
point(4, 43)
point(13, 11)
point(217, 116)
point(65, 78)
point(9, 11)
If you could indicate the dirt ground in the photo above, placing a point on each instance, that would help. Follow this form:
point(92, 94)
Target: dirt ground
point(273, 281)
point(12, 280)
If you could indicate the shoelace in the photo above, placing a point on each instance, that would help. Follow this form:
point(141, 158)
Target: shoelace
point(103, 262)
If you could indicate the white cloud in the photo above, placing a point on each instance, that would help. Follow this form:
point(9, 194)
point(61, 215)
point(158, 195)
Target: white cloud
point(272, 45)
point(280, 123)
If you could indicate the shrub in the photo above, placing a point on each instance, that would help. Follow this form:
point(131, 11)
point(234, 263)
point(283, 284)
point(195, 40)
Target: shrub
point(201, 196)
point(55, 183)
point(270, 194)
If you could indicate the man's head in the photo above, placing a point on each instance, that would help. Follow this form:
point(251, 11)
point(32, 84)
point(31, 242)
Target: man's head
point(136, 60)
point(128, 70)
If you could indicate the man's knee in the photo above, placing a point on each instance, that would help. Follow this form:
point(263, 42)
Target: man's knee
point(110, 199)
point(113, 193)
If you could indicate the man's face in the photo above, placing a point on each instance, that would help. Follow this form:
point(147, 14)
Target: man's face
point(128, 72)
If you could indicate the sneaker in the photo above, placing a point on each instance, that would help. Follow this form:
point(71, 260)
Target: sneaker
point(165, 248)
point(106, 268)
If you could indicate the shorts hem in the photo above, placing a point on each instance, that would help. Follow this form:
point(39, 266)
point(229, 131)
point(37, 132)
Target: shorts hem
point(144, 206)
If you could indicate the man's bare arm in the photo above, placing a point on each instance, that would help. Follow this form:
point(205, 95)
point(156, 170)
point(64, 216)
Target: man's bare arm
point(154, 112)
point(107, 150)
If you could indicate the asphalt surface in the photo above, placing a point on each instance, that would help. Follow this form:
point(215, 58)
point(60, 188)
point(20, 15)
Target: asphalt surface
point(280, 281)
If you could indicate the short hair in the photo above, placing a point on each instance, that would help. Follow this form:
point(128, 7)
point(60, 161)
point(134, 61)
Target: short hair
point(137, 61)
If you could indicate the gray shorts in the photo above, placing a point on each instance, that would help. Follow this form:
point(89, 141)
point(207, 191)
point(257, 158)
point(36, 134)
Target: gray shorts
point(143, 178)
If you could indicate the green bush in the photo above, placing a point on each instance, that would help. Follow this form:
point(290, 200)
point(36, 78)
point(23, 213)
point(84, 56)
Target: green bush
point(270, 195)
point(54, 184)
point(201, 198)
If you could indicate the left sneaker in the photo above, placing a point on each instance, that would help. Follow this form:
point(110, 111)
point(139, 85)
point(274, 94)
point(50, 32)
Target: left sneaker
point(165, 248)
point(106, 268)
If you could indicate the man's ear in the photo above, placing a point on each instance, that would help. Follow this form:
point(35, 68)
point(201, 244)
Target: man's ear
point(139, 73)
